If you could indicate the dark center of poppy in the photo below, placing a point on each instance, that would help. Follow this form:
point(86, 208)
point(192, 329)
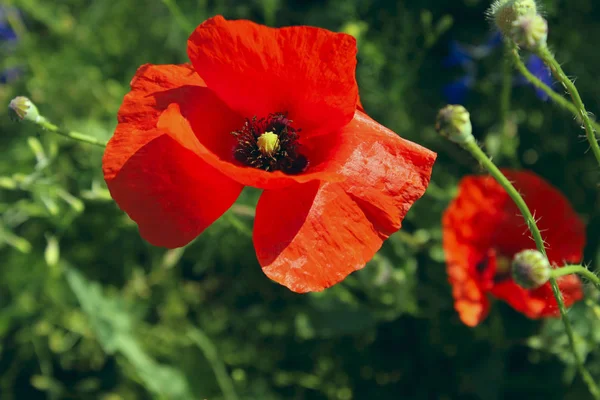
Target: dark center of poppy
point(502, 265)
point(270, 144)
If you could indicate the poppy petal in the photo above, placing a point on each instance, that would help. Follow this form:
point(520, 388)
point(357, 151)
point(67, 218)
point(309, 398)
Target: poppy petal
point(153, 88)
point(383, 173)
point(256, 70)
point(166, 189)
point(338, 227)
point(309, 237)
point(539, 303)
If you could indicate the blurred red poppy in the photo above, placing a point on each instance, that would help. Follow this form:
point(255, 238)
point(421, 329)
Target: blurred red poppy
point(483, 230)
point(276, 109)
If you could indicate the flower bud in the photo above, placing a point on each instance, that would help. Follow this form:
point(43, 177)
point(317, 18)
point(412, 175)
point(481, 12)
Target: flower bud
point(504, 13)
point(530, 269)
point(23, 109)
point(530, 31)
point(454, 122)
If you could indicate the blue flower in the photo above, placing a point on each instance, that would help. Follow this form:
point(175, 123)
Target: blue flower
point(6, 31)
point(466, 57)
point(8, 39)
point(457, 91)
point(536, 66)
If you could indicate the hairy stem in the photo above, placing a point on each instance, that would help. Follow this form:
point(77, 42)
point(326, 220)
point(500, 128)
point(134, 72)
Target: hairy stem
point(535, 81)
point(81, 137)
point(558, 72)
point(577, 269)
point(210, 352)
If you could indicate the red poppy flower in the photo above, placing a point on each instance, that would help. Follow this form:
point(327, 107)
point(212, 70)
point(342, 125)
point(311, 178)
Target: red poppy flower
point(276, 109)
point(483, 230)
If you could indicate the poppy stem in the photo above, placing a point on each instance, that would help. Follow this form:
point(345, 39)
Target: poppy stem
point(535, 81)
point(480, 156)
point(200, 339)
point(576, 269)
point(186, 26)
point(80, 137)
point(558, 72)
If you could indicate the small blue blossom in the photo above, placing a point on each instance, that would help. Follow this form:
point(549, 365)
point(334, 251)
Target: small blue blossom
point(8, 39)
point(537, 67)
point(466, 57)
point(9, 75)
point(456, 92)
point(6, 32)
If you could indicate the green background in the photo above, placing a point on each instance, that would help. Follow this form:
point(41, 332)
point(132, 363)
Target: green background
point(88, 310)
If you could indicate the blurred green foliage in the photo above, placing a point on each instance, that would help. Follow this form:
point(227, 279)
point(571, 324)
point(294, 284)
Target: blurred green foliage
point(88, 310)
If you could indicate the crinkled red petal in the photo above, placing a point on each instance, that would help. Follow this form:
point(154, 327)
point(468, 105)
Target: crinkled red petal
point(256, 70)
point(169, 191)
point(539, 303)
point(309, 237)
point(468, 225)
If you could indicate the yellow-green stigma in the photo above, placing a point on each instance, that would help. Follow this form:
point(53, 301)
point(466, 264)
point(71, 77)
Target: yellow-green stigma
point(502, 265)
point(268, 143)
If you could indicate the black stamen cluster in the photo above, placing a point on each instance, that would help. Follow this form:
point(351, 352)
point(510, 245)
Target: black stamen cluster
point(285, 159)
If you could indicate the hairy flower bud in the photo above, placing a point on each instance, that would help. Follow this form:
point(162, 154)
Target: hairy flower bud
point(503, 13)
point(530, 31)
point(530, 269)
point(454, 122)
point(23, 109)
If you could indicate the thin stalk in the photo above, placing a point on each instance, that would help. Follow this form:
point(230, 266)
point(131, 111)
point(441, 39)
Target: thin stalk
point(210, 352)
point(81, 137)
point(186, 26)
point(576, 269)
point(480, 156)
point(535, 81)
point(558, 72)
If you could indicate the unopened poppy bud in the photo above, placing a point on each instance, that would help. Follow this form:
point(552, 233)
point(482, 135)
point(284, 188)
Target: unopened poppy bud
point(530, 269)
point(530, 31)
point(504, 13)
point(454, 122)
point(23, 109)
point(268, 143)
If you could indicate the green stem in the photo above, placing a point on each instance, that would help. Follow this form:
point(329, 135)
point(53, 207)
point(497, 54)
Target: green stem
point(210, 352)
point(480, 156)
point(179, 16)
point(558, 72)
point(577, 269)
point(535, 81)
point(47, 125)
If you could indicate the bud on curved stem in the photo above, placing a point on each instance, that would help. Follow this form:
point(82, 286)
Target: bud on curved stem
point(24, 110)
point(504, 13)
point(454, 123)
point(530, 269)
point(530, 31)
